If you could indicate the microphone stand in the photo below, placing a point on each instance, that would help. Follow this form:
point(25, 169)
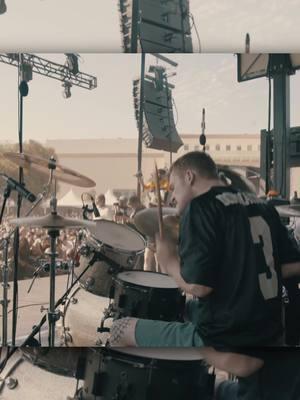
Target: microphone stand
point(4, 302)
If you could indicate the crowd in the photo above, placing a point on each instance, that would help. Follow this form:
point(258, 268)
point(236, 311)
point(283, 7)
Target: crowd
point(34, 242)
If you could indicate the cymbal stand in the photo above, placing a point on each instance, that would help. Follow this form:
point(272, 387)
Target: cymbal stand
point(4, 245)
point(53, 315)
point(4, 302)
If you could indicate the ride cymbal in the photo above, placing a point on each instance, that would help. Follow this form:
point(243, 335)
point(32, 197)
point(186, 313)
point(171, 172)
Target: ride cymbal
point(52, 221)
point(289, 210)
point(35, 163)
point(146, 220)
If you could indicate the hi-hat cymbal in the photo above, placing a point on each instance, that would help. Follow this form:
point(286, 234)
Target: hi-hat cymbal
point(146, 220)
point(41, 165)
point(289, 210)
point(52, 221)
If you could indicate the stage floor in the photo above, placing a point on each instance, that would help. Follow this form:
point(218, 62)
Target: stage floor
point(29, 312)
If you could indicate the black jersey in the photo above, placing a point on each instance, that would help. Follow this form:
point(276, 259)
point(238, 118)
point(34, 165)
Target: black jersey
point(235, 243)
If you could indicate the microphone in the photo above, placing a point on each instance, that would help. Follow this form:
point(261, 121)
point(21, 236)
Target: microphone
point(95, 209)
point(247, 43)
point(19, 188)
point(202, 138)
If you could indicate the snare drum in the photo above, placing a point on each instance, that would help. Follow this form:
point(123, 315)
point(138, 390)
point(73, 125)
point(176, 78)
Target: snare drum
point(22, 380)
point(149, 295)
point(122, 245)
point(82, 314)
point(146, 374)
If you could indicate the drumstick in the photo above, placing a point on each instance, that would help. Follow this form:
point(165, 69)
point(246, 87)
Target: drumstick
point(159, 206)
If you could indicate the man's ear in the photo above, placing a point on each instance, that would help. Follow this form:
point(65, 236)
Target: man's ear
point(190, 176)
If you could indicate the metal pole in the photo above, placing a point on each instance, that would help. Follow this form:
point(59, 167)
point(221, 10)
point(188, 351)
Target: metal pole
point(5, 285)
point(281, 125)
point(52, 314)
point(19, 205)
point(141, 122)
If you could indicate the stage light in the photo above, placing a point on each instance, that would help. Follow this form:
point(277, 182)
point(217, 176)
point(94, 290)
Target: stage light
point(67, 90)
point(3, 7)
point(72, 63)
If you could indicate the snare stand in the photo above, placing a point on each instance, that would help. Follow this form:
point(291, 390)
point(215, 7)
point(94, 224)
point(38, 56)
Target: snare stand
point(53, 315)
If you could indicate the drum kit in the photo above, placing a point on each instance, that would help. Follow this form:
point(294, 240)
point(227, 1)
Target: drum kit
point(105, 374)
point(108, 283)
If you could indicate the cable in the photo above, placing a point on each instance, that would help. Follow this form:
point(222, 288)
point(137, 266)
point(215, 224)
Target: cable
point(196, 30)
point(27, 305)
point(177, 115)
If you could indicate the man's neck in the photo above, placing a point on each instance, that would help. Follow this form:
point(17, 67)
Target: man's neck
point(206, 185)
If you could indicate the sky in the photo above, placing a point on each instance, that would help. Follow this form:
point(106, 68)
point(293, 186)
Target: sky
point(93, 25)
point(202, 81)
point(91, 28)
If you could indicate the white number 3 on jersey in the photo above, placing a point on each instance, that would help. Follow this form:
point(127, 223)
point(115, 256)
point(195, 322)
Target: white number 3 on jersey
point(261, 234)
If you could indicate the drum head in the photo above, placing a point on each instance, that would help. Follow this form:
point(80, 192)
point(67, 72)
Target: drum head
point(118, 236)
point(179, 354)
point(148, 279)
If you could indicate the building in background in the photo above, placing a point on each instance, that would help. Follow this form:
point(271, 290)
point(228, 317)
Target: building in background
point(112, 163)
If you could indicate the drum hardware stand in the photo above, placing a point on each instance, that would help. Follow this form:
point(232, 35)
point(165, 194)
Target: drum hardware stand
point(5, 245)
point(4, 302)
point(107, 313)
point(36, 329)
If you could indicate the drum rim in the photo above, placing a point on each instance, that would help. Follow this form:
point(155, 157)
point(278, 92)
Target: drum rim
point(138, 354)
point(99, 244)
point(115, 278)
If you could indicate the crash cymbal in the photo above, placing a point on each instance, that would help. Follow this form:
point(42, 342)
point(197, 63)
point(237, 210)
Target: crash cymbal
point(289, 210)
point(146, 220)
point(41, 165)
point(52, 221)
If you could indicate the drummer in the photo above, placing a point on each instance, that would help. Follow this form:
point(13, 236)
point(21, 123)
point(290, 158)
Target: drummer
point(232, 254)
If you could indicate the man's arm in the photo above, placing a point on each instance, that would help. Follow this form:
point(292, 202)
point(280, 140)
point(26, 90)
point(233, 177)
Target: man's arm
point(237, 364)
point(167, 256)
point(289, 270)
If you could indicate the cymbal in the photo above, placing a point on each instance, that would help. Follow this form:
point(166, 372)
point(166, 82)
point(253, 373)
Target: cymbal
point(289, 210)
point(146, 220)
point(52, 221)
point(41, 165)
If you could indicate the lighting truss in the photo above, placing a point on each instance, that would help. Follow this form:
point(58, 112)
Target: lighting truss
point(51, 69)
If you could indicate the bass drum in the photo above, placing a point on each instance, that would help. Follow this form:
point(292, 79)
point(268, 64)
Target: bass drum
point(22, 380)
point(82, 315)
point(146, 374)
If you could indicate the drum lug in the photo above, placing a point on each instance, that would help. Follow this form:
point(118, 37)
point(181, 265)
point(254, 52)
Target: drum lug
point(66, 337)
point(74, 300)
point(11, 383)
point(99, 343)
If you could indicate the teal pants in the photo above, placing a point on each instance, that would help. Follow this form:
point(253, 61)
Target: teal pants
point(150, 333)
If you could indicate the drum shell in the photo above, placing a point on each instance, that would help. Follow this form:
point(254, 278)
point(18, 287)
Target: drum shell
point(82, 314)
point(98, 277)
point(110, 374)
point(132, 300)
point(60, 361)
point(120, 243)
point(35, 382)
